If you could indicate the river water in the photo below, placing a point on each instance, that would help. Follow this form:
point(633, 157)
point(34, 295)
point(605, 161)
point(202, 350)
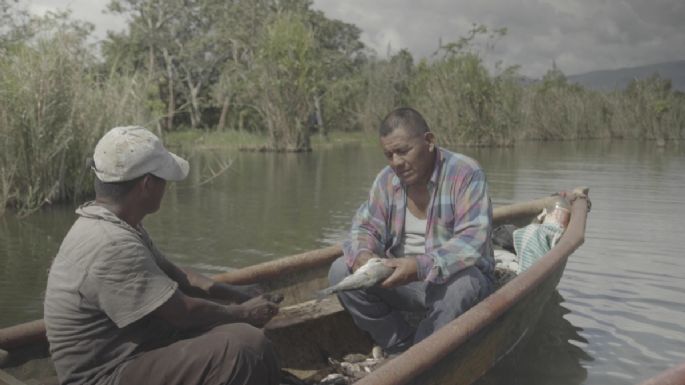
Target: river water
point(618, 316)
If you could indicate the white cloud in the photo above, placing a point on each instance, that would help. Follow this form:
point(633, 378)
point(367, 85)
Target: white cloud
point(92, 11)
point(579, 35)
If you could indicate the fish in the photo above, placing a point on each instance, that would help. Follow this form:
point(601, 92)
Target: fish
point(372, 272)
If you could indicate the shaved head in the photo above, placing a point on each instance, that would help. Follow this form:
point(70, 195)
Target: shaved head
point(406, 118)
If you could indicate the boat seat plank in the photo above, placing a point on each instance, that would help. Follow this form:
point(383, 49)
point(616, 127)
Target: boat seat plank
point(305, 311)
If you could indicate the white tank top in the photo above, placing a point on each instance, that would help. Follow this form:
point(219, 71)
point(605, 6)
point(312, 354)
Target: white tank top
point(414, 236)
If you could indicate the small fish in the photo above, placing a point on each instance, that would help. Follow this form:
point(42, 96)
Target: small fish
point(372, 272)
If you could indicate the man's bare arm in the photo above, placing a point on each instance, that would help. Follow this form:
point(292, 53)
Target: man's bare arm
point(187, 313)
point(197, 285)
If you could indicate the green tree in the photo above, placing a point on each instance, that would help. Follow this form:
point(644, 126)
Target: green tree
point(342, 55)
point(288, 73)
point(234, 93)
point(147, 46)
point(382, 85)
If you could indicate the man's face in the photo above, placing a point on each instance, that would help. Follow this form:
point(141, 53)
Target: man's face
point(412, 157)
point(155, 188)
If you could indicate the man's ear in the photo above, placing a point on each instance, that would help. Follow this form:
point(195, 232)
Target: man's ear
point(146, 182)
point(430, 139)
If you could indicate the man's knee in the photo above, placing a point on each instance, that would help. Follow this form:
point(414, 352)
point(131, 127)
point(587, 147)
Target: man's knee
point(338, 271)
point(248, 350)
point(466, 289)
point(239, 336)
point(230, 354)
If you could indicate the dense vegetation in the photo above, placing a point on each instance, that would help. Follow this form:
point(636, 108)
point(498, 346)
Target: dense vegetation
point(276, 69)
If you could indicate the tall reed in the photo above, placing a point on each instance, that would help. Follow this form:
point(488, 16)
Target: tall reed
point(465, 104)
point(54, 105)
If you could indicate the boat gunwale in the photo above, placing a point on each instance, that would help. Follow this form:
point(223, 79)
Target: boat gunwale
point(671, 376)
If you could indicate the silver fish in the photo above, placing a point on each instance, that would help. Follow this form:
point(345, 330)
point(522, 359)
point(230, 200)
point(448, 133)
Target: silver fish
point(372, 272)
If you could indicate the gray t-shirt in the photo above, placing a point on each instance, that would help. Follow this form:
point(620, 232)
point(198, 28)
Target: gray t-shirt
point(103, 282)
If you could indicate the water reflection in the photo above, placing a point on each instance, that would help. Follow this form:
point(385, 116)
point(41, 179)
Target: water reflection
point(623, 287)
point(264, 206)
point(552, 355)
point(26, 250)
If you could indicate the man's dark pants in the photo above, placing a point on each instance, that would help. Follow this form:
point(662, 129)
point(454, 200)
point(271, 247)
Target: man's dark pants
point(230, 354)
point(378, 311)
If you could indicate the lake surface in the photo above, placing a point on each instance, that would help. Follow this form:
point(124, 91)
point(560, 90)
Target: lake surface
point(618, 316)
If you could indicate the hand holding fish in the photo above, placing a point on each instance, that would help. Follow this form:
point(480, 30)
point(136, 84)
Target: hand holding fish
point(405, 271)
point(361, 260)
point(365, 276)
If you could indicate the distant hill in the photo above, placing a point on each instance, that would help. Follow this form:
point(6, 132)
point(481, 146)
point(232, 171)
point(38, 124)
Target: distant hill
point(619, 78)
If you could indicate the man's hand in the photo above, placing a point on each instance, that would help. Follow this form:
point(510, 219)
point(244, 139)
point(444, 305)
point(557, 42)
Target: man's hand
point(405, 271)
point(361, 260)
point(260, 310)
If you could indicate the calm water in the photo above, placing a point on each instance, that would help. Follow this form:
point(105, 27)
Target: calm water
point(618, 317)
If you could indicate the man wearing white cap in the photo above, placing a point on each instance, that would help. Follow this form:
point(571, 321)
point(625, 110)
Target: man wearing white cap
point(118, 312)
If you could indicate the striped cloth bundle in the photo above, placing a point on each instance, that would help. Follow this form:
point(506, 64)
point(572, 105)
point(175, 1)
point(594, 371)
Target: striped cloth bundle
point(533, 241)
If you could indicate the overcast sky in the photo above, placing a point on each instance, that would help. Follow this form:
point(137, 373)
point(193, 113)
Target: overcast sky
point(579, 35)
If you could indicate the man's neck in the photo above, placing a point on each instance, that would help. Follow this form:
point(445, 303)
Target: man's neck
point(123, 211)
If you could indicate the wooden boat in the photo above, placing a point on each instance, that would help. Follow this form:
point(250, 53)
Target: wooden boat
point(306, 333)
point(671, 376)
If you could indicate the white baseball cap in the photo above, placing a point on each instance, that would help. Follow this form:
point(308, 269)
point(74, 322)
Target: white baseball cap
point(126, 153)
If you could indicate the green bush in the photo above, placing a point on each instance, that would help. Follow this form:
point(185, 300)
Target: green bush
point(288, 74)
point(464, 104)
point(54, 106)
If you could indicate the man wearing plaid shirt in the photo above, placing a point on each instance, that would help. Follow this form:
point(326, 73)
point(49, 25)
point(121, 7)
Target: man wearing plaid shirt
point(429, 215)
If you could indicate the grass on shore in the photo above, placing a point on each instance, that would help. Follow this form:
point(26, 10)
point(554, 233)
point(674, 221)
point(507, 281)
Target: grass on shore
point(236, 140)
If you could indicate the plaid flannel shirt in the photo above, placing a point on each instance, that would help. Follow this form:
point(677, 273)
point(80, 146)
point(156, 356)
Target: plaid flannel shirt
point(459, 222)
